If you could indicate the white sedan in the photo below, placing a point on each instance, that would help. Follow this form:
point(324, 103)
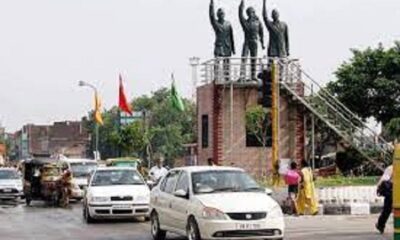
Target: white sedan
point(214, 203)
point(116, 192)
point(11, 186)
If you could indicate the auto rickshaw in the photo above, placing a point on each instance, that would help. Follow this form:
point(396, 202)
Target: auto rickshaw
point(42, 181)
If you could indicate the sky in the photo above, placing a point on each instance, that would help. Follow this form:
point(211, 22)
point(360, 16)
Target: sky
point(47, 46)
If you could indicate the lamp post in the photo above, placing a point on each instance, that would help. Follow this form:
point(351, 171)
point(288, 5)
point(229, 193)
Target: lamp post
point(194, 62)
point(85, 84)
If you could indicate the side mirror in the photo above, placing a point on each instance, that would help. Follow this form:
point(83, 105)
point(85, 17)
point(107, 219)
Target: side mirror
point(181, 193)
point(268, 191)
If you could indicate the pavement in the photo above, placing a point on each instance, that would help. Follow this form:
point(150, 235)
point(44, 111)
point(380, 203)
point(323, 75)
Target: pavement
point(39, 222)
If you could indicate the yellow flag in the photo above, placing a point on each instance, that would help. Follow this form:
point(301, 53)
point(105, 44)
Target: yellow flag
point(97, 110)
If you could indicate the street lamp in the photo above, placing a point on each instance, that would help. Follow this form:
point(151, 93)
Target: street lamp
point(85, 84)
point(194, 62)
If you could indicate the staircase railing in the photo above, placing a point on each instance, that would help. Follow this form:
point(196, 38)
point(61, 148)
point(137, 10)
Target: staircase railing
point(309, 92)
point(334, 113)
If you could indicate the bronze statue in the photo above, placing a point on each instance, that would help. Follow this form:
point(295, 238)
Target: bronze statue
point(224, 42)
point(253, 31)
point(224, 46)
point(278, 34)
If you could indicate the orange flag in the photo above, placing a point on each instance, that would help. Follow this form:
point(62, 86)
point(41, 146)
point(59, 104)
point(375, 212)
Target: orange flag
point(97, 110)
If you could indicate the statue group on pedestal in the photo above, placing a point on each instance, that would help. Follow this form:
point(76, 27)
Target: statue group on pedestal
point(253, 33)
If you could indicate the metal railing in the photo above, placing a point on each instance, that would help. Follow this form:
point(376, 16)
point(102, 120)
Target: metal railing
point(308, 91)
point(329, 109)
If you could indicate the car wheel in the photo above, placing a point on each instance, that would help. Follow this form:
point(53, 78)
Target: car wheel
point(192, 230)
point(156, 232)
point(86, 215)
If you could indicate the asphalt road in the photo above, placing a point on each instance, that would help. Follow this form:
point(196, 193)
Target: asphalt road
point(39, 222)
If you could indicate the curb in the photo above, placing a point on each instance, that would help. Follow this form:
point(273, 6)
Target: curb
point(344, 209)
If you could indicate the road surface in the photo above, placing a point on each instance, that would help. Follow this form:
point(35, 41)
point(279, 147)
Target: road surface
point(46, 223)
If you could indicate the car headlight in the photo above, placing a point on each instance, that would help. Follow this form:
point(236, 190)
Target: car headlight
point(99, 199)
point(276, 212)
point(19, 187)
point(213, 214)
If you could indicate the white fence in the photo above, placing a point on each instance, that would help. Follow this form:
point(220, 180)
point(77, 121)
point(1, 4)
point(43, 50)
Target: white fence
point(342, 195)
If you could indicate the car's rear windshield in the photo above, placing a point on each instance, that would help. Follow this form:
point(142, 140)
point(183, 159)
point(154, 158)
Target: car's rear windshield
point(8, 174)
point(82, 169)
point(223, 181)
point(117, 177)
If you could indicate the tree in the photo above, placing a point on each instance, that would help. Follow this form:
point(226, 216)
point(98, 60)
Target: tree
point(258, 124)
point(392, 129)
point(162, 130)
point(369, 84)
point(258, 120)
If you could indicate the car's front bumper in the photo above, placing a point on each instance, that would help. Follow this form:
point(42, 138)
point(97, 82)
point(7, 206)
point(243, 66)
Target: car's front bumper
point(268, 228)
point(118, 210)
point(10, 193)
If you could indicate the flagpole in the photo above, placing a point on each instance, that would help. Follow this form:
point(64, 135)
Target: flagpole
point(97, 157)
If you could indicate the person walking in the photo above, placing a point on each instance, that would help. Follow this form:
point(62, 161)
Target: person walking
point(385, 189)
point(158, 171)
point(292, 179)
point(307, 199)
point(66, 187)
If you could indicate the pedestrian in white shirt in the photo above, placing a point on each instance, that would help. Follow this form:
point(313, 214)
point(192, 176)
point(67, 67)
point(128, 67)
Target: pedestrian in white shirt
point(158, 171)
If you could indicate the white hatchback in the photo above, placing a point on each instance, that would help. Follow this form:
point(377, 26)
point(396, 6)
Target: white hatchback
point(116, 192)
point(214, 203)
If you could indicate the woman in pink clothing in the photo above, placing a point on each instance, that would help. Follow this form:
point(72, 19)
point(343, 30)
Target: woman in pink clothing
point(292, 179)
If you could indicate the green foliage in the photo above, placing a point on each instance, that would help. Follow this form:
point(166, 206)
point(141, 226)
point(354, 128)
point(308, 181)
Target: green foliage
point(392, 129)
point(163, 130)
point(351, 162)
point(257, 121)
point(369, 84)
point(340, 181)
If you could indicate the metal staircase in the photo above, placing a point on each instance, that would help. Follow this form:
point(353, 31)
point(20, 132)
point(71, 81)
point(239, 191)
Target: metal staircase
point(333, 113)
point(297, 83)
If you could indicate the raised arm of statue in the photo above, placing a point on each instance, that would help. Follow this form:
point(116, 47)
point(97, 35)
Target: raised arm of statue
point(265, 15)
point(212, 15)
point(287, 40)
point(241, 16)
point(232, 41)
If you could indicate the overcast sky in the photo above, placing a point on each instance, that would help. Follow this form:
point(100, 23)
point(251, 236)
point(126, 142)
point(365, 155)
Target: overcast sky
point(47, 46)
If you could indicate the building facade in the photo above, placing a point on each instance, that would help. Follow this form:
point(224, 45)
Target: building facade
point(222, 129)
point(69, 138)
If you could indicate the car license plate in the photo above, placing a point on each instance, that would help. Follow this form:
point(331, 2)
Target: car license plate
point(122, 206)
point(248, 226)
point(7, 190)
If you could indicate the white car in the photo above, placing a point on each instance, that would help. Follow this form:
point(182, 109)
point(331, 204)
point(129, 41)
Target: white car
point(116, 192)
point(214, 203)
point(11, 186)
point(80, 169)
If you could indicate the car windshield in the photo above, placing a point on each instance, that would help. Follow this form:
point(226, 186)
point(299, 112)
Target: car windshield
point(8, 174)
point(117, 177)
point(223, 181)
point(125, 164)
point(82, 169)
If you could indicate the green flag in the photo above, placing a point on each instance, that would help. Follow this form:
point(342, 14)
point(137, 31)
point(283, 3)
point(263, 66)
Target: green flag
point(176, 100)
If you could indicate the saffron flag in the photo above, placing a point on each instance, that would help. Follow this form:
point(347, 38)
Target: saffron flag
point(97, 110)
point(176, 100)
point(123, 103)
